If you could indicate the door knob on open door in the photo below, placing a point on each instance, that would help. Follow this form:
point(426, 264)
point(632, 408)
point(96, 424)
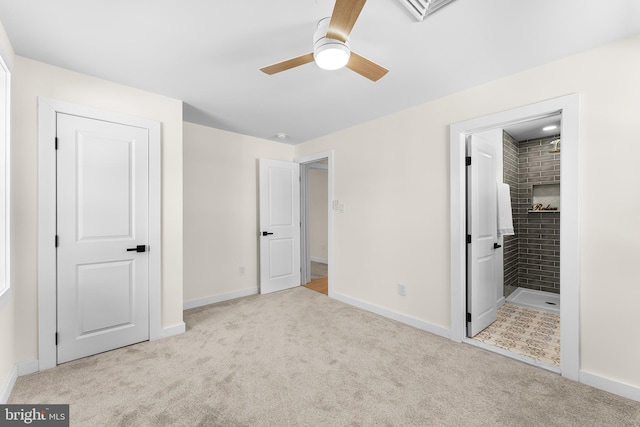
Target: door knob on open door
point(139, 248)
point(266, 233)
point(496, 246)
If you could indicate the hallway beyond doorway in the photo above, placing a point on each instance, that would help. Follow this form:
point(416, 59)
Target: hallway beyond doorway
point(319, 278)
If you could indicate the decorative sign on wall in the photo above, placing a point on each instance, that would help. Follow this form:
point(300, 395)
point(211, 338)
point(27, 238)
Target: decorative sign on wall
point(545, 197)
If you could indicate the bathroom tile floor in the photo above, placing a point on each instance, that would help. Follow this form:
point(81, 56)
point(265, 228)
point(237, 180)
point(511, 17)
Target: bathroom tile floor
point(525, 331)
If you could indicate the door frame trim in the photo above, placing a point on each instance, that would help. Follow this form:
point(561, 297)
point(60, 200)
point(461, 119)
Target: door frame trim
point(568, 106)
point(311, 159)
point(47, 266)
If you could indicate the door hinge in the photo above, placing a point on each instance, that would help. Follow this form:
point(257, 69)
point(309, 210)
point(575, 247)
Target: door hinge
point(468, 317)
point(468, 161)
point(56, 142)
point(468, 238)
point(56, 338)
point(57, 240)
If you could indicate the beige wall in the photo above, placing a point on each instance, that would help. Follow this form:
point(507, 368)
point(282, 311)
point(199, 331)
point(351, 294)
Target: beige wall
point(405, 199)
point(32, 79)
point(220, 210)
point(7, 325)
point(318, 213)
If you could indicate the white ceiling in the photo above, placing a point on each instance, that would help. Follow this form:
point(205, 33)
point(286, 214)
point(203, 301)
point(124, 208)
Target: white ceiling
point(532, 129)
point(208, 53)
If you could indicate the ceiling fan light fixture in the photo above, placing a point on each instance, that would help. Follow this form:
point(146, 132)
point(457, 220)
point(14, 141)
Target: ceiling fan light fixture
point(331, 49)
point(331, 55)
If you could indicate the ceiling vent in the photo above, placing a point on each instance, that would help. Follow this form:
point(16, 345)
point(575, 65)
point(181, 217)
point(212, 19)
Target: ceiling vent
point(423, 8)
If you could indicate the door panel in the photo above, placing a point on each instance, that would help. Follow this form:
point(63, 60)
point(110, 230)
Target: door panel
point(482, 226)
point(102, 210)
point(99, 198)
point(281, 262)
point(104, 284)
point(279, 215)
point(280, 191)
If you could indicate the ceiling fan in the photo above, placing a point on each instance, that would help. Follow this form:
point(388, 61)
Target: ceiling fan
point(331, 50)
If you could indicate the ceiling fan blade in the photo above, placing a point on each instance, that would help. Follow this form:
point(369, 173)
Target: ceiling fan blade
point(288, 64)
point(366, 68)
point(344, 16)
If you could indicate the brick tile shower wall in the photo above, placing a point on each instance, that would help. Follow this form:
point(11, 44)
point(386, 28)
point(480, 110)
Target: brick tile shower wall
point(538, 233)
point(532, 256)
point(510, 243)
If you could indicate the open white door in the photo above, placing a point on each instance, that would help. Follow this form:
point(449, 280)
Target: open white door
point(103, 232)
point(481, 227)
point(279, 225)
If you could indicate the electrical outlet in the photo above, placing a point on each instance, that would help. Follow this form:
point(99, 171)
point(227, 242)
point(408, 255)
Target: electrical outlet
point(241, 271)
point(402, 289)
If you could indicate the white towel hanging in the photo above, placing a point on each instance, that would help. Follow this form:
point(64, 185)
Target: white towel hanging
point(505, 218)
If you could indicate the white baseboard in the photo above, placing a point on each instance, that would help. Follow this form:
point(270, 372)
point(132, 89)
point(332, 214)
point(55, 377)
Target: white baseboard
point(320, 260)
point(501, 302)
point(6, 389)
point(199, 302)
point(29, 367)
point(170, 331)
point(612, 386)
point(408, 320)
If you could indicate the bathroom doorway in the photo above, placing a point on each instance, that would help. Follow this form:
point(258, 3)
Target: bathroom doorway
point(526, 253)
point(567, 108)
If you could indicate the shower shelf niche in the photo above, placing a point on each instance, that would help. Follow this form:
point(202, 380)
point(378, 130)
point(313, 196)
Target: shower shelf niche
point(545, 195)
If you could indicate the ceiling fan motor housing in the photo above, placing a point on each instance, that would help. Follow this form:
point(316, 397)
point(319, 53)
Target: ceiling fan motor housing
point(329, 54)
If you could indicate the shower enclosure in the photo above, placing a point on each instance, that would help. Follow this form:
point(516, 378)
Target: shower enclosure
point(532, 255)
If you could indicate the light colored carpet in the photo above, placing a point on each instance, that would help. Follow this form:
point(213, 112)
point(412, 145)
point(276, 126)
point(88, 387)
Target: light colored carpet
point(298, 358)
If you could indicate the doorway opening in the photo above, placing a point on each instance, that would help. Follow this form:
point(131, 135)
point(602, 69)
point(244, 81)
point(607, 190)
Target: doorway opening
point(316, 222)
point(314, 188)
point(526, 311)
point(285, 231)
point(566, 107)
